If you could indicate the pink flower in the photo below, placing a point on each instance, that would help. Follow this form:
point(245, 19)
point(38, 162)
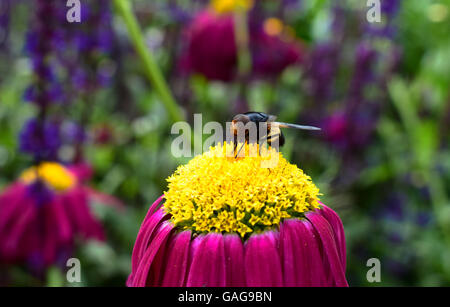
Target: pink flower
point(307, 252)
point(230, 223)
point(211, 48)
point(39, 224)
point(336, 127)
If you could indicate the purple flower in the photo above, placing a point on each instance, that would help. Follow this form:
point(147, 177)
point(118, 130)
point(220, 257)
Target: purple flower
point(5, 11)
point(58, 50)
point(40, 193)
point(363, 73)
point(390, 7)
point(177, 13)
point(321, 68)
point(387, 29)
point(73, 133)
point(42, 140)
point(336, 128)
point(271, 55)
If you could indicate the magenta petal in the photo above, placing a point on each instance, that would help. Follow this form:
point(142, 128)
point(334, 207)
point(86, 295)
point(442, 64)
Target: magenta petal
point(139, 279)
point(77, 204)
point(234, 261)
point(330, 249)
point(50, 243)
point(177, 260)
point(295, 242)
point(316, 262)
point(23, 223)
point(155, 206)
point(338, 230)
point(144, 236)
point(62, 220)
point(12, 202)
point(262, 262)
point(208, 263)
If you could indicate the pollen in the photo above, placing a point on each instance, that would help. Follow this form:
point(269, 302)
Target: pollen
point(217, 192)
point(53, 174)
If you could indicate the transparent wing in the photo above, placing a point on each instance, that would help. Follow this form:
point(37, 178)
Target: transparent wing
point(302, 127)
point(272, 118)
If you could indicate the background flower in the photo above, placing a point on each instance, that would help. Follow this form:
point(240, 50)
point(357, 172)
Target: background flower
point(42, 218)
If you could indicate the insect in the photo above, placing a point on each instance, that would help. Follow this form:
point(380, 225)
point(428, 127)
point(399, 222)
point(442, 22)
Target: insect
point(273, 132)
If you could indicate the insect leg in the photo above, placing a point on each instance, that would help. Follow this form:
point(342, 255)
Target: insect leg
point(242, 146)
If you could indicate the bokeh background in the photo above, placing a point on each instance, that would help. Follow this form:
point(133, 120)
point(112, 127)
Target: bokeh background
point(110, 92)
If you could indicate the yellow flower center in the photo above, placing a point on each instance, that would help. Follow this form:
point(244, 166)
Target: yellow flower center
point(273, 26)
point(215, 192)
point(228, 6)
point(53, 174)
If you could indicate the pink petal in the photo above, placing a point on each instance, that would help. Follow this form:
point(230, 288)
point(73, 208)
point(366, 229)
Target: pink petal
point(208, 262)
point(262, 262)
point(154, 207)
point(12, 201)
point(103, 198)
point(338, 230)
point(319, 276)
point(295, 256)
point(159, 242)
point(234, 261)
point(62, 220)
point(49, 237)
point(85, 223)
point(329, 245)
point(177, 260)
point(146, 232)
point(13, 241)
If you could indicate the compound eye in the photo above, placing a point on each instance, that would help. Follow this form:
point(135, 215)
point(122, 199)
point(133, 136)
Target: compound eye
point(241, 118)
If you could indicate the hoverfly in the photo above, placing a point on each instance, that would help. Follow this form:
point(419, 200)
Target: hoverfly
point(270, 135)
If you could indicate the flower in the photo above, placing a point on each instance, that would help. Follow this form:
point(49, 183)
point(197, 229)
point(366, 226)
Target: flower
point(5, 12)
point(229, 6)
point(231, 222)
point(41, 216)
point(60, 51)
point(321, 69)
point(211, 46)
point(363, 74)
point(42, 140)
point(274, 48)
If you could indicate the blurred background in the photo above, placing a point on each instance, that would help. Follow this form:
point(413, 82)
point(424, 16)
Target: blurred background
point(100, 97)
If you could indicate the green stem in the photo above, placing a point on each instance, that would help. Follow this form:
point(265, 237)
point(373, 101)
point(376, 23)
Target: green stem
point(242, 40)
point(152, 70)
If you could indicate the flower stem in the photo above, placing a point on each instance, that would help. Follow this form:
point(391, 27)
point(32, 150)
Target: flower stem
point(242, 40)
point(152, 70)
